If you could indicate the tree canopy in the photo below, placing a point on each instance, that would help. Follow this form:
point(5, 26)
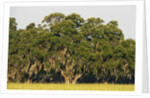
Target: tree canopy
point(70, 49)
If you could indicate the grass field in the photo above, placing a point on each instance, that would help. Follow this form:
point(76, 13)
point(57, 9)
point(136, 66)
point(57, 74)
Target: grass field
point(102, 87)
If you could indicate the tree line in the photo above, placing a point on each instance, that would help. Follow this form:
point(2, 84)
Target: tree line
point(69, 49)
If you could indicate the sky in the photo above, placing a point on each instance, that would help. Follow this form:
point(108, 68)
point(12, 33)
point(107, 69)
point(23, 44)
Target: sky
point(125, 15)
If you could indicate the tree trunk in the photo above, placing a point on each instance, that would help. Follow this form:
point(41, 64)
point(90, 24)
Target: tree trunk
point(76, 78)
point(67, 81)
point(125, 66)
point(28, 81)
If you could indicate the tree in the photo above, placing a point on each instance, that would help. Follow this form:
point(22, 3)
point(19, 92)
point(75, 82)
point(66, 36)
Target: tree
point(67, 42)
point(69, 49)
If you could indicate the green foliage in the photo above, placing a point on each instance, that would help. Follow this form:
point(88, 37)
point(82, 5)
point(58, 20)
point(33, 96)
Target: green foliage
point(95, 21)
point(113, 23)
point(71, 50)
point(65, 27)
point(12, 24)
point(76, 19)
point(54, 18)
point(30, 26)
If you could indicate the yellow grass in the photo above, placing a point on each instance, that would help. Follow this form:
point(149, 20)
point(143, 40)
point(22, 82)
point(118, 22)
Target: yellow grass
point(51, 86)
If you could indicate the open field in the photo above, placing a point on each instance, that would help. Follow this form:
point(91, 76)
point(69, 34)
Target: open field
point(51, 86)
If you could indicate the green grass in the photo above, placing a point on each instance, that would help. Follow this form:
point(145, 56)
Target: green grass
point(51, 86)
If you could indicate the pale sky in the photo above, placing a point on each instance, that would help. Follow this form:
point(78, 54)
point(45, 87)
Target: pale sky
point(125, 15)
